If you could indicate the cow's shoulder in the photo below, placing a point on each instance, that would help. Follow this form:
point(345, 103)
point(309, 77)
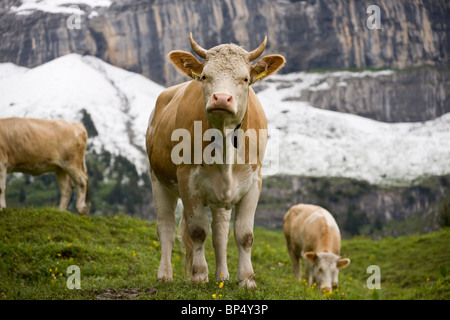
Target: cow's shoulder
point(190, 106)
point(257, 116)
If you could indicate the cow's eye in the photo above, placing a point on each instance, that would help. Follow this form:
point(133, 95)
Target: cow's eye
point(246, 80)
point(320, 270)
point(203, 77)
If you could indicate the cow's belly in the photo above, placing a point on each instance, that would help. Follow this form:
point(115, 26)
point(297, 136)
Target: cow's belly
point(33, 169)
point(221, 186)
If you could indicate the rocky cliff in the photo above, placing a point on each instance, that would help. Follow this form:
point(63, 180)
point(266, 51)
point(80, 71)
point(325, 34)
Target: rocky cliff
point(414, 38)
point(408, 95)
point(138, 34)
point(359, 207)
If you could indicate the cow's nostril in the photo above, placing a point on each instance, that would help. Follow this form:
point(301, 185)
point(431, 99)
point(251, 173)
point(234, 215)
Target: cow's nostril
point(222, 99)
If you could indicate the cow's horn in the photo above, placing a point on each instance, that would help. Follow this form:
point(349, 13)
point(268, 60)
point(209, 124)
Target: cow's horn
point(258, 51)
point(197, 49)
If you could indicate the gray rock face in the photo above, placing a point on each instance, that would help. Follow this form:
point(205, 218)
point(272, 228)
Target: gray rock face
point(417, 94)
point(137, 35)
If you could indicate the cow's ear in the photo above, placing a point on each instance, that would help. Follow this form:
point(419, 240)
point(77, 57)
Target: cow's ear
point(186, 63)
point(311, 257)
point(342, 263)
point(266, 66)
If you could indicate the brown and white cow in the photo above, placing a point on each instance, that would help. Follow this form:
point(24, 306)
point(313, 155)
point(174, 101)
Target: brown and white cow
point(37, 146)
point(312, 233)
point(219, 98)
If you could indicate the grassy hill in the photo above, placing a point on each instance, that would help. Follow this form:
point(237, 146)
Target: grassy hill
point(119, 256)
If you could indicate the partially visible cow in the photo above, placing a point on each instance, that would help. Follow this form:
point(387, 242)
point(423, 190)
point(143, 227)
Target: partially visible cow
point(37, 146)
point(312, 233)
point(218, 98)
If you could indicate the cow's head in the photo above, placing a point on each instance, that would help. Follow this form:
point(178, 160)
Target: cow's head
point(325, 268)
point(226, 74)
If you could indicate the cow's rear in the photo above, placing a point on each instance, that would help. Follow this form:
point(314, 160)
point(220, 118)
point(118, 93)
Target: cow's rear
point(38, 146)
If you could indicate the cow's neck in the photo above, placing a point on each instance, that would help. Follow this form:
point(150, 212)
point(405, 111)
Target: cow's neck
point(234, 138)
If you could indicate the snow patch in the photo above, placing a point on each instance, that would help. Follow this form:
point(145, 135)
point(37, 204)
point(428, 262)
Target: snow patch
point(57, 6)
point(312, 141)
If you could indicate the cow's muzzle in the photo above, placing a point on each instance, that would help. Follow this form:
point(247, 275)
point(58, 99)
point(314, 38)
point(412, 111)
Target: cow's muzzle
point(221, 103)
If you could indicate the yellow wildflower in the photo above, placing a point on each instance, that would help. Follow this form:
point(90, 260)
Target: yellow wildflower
point(213, 295)
point(221, 285)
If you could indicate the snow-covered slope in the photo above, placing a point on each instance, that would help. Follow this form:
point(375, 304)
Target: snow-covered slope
point(316, 142)
point(57, 6)
point(119, 102)
point(310, 141)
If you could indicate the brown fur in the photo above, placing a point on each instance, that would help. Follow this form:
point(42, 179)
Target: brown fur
point(226, 69)
point(318, 237)
point(170, 113)
point(37, 146)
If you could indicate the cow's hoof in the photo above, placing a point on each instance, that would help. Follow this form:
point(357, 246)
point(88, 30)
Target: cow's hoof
point(199, 279)
point(164, 279)
point(223, 276)
point(248, 283)
point(83, 210)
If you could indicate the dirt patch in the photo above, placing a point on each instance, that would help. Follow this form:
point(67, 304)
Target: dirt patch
point(124, 294)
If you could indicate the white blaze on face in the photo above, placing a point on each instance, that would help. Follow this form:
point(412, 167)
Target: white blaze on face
point(325, 270)
point(225, 81)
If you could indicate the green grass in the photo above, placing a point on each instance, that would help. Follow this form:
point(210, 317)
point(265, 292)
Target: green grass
point(119, 254)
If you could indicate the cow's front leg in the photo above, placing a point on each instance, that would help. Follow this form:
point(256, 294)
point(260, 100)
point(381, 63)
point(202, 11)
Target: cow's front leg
point(195, 225)
point(165, 203)
point(198, 227)
point(65, 188)
point(220, 231)
point(243, 234)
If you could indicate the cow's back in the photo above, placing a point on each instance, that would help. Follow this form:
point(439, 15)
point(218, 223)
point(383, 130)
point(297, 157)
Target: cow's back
point(33, 144)
point(312, 228)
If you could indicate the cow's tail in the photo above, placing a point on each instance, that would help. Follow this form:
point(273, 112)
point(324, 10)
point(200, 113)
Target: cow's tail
point(186, 241)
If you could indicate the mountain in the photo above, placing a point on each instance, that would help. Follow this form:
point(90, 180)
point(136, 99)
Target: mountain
point(358, 118)
point(317, 142)
point(119, 102)
point(305, 140)
point(137, 34)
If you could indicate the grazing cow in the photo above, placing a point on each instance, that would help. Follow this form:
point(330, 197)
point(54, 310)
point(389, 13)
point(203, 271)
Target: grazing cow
point(37, 146)
point(312, 233)
point(219, 98)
